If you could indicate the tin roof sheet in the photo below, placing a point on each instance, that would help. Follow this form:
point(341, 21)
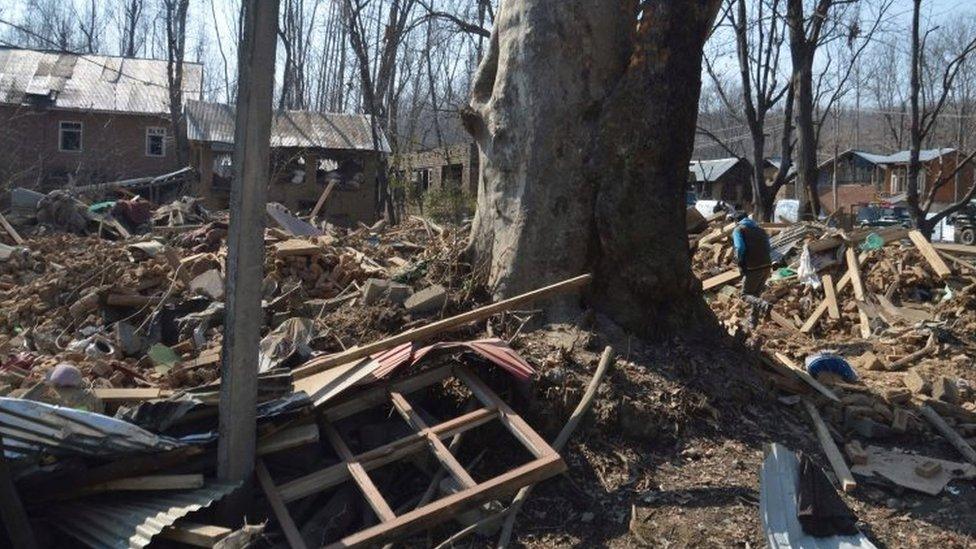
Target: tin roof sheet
point(91, 82)
point(214, 123)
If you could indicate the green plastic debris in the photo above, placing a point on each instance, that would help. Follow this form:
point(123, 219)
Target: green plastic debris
point(873, 241)
point(784, 272)
point(163, 357)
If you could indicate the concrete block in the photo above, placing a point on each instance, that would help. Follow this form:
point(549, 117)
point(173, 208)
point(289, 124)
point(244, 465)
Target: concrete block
point(427, 301)
point(377, 289)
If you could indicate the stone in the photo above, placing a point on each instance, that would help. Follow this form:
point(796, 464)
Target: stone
point(945, 390)
point(870, 361)
point(428, 300)
point(65, 375)
point(377, 289)
point(916, 383)
point(867, 428)
point(899, 420)
point(898, 396)
point(210, 284)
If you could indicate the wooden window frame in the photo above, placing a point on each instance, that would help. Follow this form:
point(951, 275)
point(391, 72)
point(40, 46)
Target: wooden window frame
point(546, 461)
point(163, 141)
point(81, 136)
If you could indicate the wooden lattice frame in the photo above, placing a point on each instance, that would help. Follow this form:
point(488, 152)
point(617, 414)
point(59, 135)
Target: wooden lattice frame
point(546, 462)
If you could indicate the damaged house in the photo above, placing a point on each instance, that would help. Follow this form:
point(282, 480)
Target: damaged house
point(310, 152)
point(68, 118)
point(447, 167)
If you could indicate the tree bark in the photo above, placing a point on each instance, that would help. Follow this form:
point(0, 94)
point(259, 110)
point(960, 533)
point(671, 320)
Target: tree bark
point(584, 112)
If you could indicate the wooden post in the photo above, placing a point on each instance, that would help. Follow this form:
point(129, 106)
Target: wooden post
point(14, 517)
point(245, 254)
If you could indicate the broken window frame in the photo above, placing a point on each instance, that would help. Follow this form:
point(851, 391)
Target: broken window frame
point(546, 461)
point(153, 132)
point(70, 127)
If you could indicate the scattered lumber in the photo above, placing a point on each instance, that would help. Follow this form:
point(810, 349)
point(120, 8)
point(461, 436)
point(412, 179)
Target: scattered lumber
point(950, 434)
point(321, 201)
point(843, 473)
point(830, 296)
point(799, 372)
point(929, 253)
point(11, 232)
point(721, 279)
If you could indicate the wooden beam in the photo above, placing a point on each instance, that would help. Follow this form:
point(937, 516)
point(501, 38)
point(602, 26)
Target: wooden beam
point(837, 462)
point(321, 201)
point(721, 279)
point(287, 524)
point(959, 261)
point(197, 535)
point(443, 455)
point(121, 396)
point(782, 320)
point(950, 434)
point(830, 296)
point(324, 363)
point(289, 438)
point(805, 376)
point(930, 255)
point(11, 231)
point(954, 248)
point(333, 475)
point(151, 482)
point(245, 255)
point(359, 475)
point(822, 307)
point(855, 271)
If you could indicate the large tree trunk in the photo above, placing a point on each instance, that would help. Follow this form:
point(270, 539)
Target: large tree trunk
point(585, 120)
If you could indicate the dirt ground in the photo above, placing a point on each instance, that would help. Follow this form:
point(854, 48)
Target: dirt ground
point(670, 456)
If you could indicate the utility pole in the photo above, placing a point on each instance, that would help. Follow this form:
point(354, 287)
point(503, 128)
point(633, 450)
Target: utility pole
point(245, 254)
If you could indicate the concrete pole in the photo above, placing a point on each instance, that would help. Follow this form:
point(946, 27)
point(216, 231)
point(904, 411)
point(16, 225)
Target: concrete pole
point(245, 253)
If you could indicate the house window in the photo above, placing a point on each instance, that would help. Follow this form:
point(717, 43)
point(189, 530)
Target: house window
point(156, 141)
point(69, 137)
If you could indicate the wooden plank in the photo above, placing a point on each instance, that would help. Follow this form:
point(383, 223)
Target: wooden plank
point(721, 279)
point(782, 320)
point(863, 320)
point(359, 475)
point(197, 535)
point(324, 363)
point(289, 438)
point(121, 396)
point(378, 394)
point(14, 235)
point(930, 255)
point(959, 262)
point(321, 201)
point(950, 434)
point(822, 307)
point(287, 524)
point(805, 376)
point(151, 482)
point(830, 296)
point(837, 462)
point(333, 475)
point(512, 421)
point(954, 248)
point(441, 452)
point(855, 271)
point(449, 506)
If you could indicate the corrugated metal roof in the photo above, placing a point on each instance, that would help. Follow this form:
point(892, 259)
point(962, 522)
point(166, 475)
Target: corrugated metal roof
point(131, 519)
point(710, 170)
point(31, 427)
point(91, 82)
point(214, 123)
point(924, 155)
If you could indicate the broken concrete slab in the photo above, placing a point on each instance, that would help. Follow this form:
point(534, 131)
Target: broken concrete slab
point(916, 383)
point(428, 300)
point(209, 283)
point(376, 289)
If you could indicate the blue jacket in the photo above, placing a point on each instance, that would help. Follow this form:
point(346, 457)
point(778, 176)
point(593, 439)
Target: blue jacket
point(751, 245)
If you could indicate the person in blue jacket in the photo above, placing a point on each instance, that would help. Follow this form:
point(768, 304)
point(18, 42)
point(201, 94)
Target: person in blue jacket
point(752, 254)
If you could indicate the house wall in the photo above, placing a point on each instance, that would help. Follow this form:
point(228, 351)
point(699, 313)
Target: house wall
point(298, 189)
point(896, 178)
point(452, 166)
point(113, 147)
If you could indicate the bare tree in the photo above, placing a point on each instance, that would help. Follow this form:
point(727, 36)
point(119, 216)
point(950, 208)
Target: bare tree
point(175, 20)
point(91, 25)
point(925, 110)
point(131, 26)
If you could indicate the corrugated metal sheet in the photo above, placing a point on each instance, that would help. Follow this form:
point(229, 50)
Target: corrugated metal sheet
point(91, 82)
point(214, 123)
point(130, 519)
point(711, 170)
point(492, 349)
point(31, 427)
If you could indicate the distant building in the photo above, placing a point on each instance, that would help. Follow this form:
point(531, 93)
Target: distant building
point(309, 150)
point(452, 166)
point(85, 118)
point(727, 179)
